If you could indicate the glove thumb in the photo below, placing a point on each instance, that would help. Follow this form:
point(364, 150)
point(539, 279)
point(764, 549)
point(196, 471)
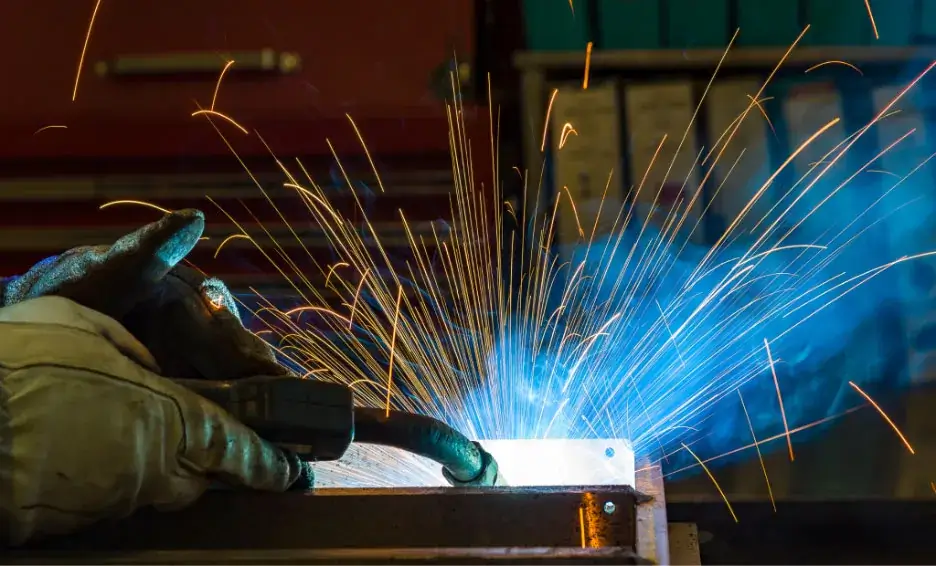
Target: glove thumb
point(135, 263)
point(112, 280)
point(152, 251)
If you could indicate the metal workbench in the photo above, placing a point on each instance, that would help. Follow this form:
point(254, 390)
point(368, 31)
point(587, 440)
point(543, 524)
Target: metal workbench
point(600, 525)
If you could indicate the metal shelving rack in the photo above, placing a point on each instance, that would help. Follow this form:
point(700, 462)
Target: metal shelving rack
point(537, 68)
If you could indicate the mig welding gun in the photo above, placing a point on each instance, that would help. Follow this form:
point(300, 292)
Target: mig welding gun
point(176, 322)
point(317, 420)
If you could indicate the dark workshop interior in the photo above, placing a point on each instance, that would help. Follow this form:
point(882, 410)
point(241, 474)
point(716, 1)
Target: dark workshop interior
point(675, 254)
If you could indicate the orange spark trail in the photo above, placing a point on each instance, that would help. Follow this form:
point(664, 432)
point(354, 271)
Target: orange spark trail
point(357, 293)
point(84, 49)
point(786, 427)
point(552, 99)
point(740, 449)
point(883, 414)
point(214, 97)
point(588, 52)
point(232, 121)
point(370, 160)
point(331, 271)
point(760, 456)
point(396, 319)
point(763, 111)
point(137, 202)
point(574, 211)
point(567, 130)
point(226, 240)
point(51, 127)
point(714, 481)
point(834, 62)
point(871, 17)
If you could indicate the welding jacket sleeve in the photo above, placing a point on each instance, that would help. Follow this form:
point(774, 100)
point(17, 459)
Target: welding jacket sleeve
point(88, 430)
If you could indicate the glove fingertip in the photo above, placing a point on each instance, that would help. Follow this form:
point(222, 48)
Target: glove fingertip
point(162, 244)
point(306, 479)
point(174, 236)
point(275, 469)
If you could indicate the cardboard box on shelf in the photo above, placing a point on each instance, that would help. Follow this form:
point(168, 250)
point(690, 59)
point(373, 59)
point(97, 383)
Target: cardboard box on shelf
point(588, 164)
point(744, 164)
point(655, 110)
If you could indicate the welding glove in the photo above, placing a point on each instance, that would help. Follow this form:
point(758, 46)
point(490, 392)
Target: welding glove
point(89, 431)
point(188, 321)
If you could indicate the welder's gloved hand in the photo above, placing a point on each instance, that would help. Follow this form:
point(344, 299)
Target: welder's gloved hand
point(188, 321)
point(88, 431)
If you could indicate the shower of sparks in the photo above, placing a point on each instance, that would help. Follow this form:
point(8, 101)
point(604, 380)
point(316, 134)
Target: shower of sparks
point(502, 335)
point(871, 17)
point(886, 418)
point(84, 49)
point(588, 54)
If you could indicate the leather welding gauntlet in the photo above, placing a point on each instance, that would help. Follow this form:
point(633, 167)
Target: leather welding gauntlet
point(188, 321)
point(89, 431)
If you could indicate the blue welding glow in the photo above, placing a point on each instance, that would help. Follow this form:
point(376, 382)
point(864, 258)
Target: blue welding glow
point(673, 328)
point(649, 334)
point(667, 332)
point(684, 344)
